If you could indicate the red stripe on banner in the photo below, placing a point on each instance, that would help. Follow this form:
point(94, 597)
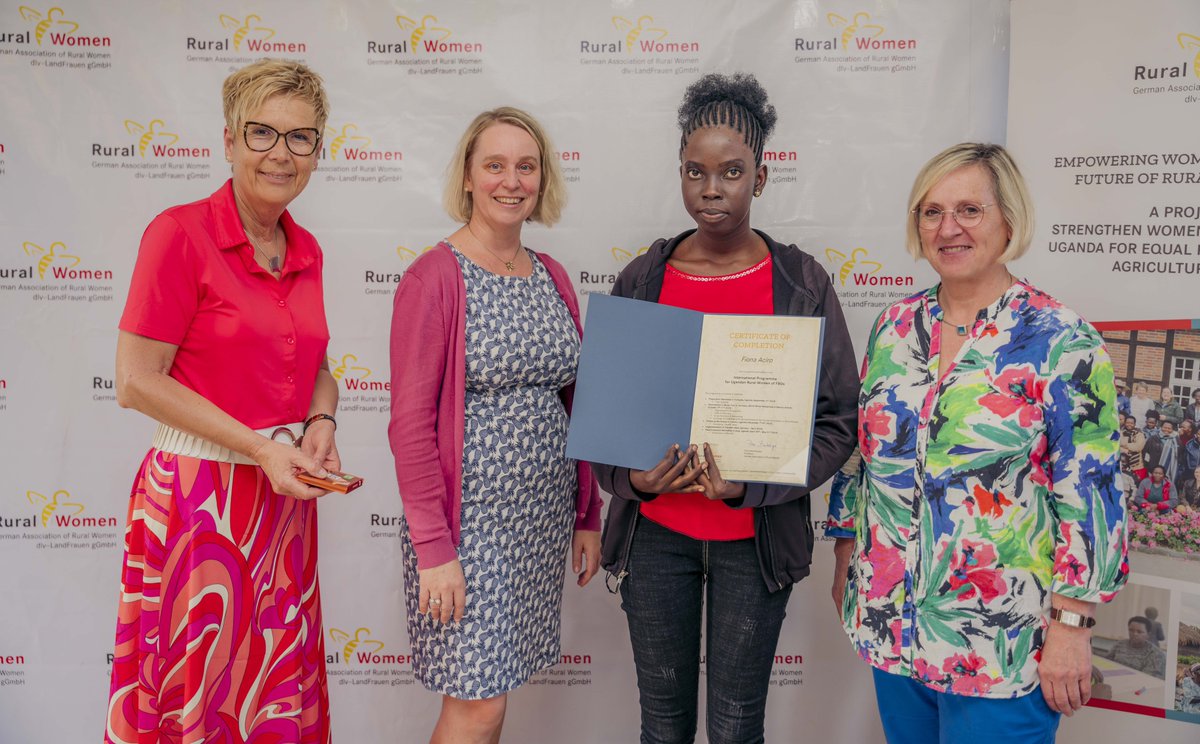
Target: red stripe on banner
point(1144, 710)
point(1184, 324)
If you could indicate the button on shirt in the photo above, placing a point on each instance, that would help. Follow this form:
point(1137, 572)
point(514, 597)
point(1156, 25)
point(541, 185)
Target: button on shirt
point(979, 493)
point(248, 342)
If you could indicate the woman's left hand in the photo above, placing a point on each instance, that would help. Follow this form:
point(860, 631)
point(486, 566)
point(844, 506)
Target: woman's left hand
point(318, 443)
point(1066, 667)
point(717, 488)
point(585, 555)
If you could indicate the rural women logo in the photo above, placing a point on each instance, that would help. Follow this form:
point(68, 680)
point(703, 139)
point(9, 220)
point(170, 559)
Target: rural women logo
point(857, 269)
point(247, 34)
point(642, 35)
point(857, 33)
point(54, 262)
point(350, 144)
point(149, 139)
point(52, 27)
point(429, 36)
point(61, 510)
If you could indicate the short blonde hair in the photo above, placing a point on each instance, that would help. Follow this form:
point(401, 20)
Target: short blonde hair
point(246, 90)
point(1007, 181)
point(553, 197)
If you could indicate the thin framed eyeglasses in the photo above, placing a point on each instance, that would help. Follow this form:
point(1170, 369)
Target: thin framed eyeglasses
point(262, 137)
point(966, 215)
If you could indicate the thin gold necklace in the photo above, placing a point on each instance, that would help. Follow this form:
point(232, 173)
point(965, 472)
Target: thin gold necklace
point(510, 264)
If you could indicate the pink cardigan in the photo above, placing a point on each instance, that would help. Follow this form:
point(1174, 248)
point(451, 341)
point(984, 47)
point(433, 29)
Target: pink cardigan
point(428, 358)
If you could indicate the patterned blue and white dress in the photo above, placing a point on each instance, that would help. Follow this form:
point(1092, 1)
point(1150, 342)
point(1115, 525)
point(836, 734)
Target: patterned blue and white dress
point(518, 502)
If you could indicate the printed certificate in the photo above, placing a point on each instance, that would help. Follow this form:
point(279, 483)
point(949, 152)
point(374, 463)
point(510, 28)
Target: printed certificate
point(652, 375)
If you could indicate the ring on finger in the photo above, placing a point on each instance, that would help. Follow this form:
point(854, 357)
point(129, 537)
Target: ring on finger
point(436, 601)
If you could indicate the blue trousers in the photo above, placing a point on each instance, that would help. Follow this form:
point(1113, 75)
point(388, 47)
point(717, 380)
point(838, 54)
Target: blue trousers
point(914, 714)
point(671, 577)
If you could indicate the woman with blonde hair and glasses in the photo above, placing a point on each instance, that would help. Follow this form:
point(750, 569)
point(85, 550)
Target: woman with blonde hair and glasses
point(485, 343)
point(982, 522)
point(223, 343)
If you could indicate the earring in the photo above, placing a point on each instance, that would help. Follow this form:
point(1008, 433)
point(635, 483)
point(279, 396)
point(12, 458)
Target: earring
point(758, 192)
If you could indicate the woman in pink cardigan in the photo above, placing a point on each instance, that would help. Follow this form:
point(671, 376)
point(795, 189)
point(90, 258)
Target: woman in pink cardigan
point(484, 346)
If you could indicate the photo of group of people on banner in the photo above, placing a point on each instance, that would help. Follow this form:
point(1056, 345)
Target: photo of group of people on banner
point(987, 465)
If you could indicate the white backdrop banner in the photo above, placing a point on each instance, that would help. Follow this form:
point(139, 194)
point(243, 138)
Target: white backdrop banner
point(112, 113)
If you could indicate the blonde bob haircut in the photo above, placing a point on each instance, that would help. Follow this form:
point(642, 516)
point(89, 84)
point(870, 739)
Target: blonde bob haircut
point(1009, 186)
point(552, 195)
point(246, 90)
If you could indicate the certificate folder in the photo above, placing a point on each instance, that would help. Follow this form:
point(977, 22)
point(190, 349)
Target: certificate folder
point(654, 375)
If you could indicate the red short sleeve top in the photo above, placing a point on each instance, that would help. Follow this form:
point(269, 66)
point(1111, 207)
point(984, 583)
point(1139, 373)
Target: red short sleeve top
point(248, 342)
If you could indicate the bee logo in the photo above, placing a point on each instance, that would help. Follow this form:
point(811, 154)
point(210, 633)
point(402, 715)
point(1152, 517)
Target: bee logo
point(149, 133)
point(56, 253)
point(1188, 41)
point(351, 643)
point(243, 28)
point(53, 504)
point(338, 141)
point(857, 260)
point(634, 31)
point(620, 255)
point(408, 254)
point(53, 17)
point(348, 363)
point(859, 26)
point(419, 30)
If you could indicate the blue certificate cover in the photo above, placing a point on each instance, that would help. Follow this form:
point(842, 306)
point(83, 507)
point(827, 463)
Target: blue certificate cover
point(636, 383)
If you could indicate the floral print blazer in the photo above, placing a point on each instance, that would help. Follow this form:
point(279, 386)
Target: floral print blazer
point(978, 493)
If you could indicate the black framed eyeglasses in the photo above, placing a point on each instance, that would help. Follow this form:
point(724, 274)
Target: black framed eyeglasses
point(261, 137)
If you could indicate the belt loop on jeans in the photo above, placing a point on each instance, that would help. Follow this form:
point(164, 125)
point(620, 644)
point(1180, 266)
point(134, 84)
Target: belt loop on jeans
point(172, 440)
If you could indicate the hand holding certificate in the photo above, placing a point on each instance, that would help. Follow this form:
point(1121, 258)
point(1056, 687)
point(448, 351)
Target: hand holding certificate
point(651, 376)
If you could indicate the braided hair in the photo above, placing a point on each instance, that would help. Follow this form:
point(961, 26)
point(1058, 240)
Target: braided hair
point(737, 101)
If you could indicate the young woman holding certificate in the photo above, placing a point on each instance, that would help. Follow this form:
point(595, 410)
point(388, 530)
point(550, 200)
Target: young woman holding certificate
point(679, 535)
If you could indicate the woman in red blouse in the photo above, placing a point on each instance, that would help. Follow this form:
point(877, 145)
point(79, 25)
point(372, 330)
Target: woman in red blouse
point(223, 343)
point(679, 535)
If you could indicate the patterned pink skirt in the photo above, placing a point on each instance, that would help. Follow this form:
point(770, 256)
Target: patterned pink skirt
point(219, 621)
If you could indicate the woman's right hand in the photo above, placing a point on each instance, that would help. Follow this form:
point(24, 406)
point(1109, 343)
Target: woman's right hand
point(672, 474)
point(442, 592)
point(281, 462)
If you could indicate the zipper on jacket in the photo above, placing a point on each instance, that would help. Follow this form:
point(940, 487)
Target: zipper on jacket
point(623, 571)
point(770, 550)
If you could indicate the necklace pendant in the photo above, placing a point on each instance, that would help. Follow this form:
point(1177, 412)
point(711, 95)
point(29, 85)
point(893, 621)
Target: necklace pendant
point(510, 265)
point(961, 329)
point(273, 262)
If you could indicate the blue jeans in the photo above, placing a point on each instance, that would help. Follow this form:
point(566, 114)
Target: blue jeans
point(914, 714)
point(671, 576)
